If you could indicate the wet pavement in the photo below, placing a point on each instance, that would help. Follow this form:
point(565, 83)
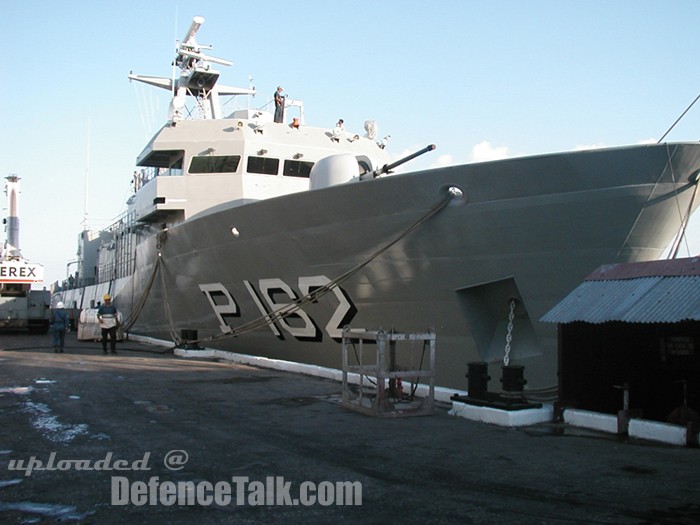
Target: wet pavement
point(147, 437)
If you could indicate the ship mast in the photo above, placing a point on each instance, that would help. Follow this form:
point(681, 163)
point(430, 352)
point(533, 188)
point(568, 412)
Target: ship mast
point(197, 79)
point(87, 179)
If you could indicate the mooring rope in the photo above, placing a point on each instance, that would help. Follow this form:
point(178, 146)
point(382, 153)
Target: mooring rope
point(284, 311)
point(680, 236)
point(314, 295)
point(166, 305)
point(136, 310)
point(683, 217)
point(676, 195)
point(678, 119)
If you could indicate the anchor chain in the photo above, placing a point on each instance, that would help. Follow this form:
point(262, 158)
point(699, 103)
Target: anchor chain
point(509, 334)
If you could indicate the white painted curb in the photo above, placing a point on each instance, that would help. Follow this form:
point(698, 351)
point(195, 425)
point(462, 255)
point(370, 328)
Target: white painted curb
point(590, 420)
point(637, 428)
point(503, 418)
point(655, 431)
point(442, 394)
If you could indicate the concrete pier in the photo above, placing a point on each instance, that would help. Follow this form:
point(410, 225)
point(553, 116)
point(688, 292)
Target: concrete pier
point(64, 415)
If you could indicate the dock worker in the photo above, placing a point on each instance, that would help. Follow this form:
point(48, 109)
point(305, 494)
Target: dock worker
point(59, 323)
point(339, 131)
point(107, 316)
point(279, 105)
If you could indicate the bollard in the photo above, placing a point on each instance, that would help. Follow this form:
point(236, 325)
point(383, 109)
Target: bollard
point(478, 378)
point(513, 381)
point(188, 338)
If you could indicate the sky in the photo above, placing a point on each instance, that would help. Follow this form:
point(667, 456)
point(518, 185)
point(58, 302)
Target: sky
point(480, 79)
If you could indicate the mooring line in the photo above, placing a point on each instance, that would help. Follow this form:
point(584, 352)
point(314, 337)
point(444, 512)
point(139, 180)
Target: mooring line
point(284, 311)
point(317, 293)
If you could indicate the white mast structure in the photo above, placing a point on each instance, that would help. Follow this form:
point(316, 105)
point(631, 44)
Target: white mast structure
point(12, 226)
point(87, 179)
point(197, 78)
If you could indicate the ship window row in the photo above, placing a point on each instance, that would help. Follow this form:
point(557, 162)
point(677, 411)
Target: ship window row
point(217, 164)
point(255, 164)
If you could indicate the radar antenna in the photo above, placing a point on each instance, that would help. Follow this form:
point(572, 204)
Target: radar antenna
point(189, 50)
point(197, 78)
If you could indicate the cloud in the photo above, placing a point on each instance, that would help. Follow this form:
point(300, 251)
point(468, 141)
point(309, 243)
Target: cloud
point(583, 147)
point(485, 151)
point(442, 161)
point(600, 145)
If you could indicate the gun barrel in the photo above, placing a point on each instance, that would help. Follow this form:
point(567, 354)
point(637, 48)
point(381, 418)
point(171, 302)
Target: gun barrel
point(388, 167)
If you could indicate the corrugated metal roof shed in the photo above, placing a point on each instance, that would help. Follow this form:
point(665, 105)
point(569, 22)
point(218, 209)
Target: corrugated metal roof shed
point(670, 268)
point(648, 292)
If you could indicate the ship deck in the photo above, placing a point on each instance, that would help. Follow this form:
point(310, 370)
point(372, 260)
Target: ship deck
point(239, 420)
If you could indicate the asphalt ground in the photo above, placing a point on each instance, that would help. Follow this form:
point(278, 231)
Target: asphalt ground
point(215, 442)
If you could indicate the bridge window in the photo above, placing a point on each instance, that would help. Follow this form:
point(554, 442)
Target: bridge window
point(297, 168)
point(215, 164)
point(264, 165)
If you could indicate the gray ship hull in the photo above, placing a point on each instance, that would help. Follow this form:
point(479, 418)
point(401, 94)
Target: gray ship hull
point(528, 229)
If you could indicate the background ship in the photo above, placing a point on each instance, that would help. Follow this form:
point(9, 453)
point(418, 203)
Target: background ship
point(267, 238)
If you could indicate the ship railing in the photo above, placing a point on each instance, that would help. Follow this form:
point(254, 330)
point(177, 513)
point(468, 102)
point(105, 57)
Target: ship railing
point(268, 107)
point(145, 175)
point(117, 256)
point(121, 223)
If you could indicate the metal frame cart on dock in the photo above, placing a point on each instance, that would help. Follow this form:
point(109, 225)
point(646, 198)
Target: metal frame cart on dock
point(382, 361)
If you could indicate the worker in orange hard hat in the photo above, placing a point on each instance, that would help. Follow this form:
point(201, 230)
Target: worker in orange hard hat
point(108, 317)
